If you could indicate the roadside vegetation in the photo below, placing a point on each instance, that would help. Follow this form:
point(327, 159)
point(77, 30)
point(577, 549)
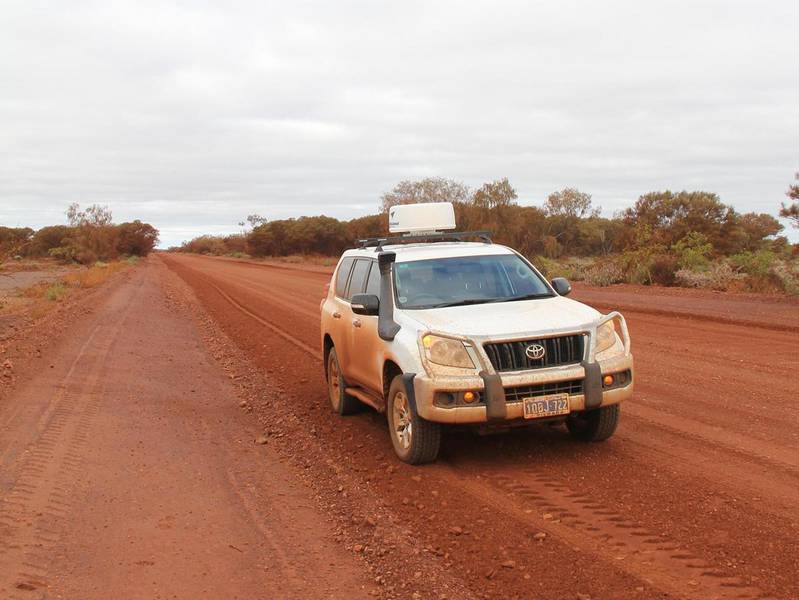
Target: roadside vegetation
point(80, 255)
point(686, 238)
point(89, 236)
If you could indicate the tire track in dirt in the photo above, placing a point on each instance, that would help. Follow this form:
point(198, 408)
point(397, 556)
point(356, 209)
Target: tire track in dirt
point(271, 326)
point(593, 527)
point(743, 445)
point(676, 569)
point(41, 495)
point(773, 454)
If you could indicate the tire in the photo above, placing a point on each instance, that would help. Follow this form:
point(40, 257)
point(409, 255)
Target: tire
point(595, 425)
point(342, 402)
point(415, 440)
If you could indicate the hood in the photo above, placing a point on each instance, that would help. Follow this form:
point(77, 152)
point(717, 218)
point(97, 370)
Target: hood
point(505, 319)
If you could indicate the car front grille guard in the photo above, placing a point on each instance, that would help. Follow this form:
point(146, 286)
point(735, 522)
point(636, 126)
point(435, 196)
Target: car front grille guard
point(496, 404)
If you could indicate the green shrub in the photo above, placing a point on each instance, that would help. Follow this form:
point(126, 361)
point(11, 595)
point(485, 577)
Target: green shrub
point(693, 251)
point(756, 264)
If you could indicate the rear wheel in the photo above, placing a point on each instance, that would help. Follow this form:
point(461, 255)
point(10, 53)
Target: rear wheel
point(415, 440)
point(594, 425)
point(341, 401)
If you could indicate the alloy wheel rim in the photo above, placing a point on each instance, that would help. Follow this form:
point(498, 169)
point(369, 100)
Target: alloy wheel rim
point(401, 418)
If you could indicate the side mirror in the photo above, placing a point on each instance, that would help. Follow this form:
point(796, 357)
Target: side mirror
point(365, 304)
point(562, 286)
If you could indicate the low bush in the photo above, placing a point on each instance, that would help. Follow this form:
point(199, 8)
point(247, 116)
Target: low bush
point(603, 273)
point(692, 251)
point(788, 275)
point(756, 264)
point(719, 276)
point(663, 269)
point(56, 292)
point(572, 269)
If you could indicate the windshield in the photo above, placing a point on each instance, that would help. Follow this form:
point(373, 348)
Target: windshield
point(462, 280)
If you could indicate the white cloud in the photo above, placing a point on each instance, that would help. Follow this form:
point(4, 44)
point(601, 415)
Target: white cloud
point(193, 115)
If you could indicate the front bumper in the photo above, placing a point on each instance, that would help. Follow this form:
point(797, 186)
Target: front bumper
point(425, 389)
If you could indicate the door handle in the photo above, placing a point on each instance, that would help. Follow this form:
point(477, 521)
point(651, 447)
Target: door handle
point(336, 315)
point(356, 322)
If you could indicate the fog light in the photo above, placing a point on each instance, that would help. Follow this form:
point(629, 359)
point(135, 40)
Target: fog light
point(468, 397)
point(607, 381)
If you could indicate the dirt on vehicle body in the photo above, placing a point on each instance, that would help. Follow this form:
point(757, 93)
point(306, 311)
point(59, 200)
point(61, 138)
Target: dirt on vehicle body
point(433, 330)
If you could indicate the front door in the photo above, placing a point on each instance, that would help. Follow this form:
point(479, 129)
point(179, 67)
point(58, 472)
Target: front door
point(365, 344)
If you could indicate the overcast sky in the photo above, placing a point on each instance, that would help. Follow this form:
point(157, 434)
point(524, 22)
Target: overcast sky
point(191, 115)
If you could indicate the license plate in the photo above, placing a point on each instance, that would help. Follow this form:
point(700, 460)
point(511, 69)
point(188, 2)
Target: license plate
point(546, 406)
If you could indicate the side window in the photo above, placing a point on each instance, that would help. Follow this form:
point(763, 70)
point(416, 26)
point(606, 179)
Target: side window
point(373, 283)
point(341, 277)
point(358, 279)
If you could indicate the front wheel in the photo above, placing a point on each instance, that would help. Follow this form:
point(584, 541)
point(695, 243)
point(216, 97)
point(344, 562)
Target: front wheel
point(594, 425)
point(415, 440)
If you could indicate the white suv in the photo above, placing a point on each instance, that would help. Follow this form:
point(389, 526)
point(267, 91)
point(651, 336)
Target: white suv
point(432, 330)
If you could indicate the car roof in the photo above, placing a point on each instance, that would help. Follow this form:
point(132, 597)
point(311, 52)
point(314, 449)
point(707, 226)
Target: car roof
point(412, 252)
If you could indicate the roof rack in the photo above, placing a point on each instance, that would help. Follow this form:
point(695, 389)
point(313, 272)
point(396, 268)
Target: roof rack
point(457, 236)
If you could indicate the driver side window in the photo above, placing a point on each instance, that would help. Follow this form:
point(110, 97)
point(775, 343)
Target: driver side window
point(358, 279)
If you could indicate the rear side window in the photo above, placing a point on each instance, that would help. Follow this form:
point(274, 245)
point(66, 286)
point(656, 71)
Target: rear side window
point(358, 279)
point(342, 275)
point(373, 283)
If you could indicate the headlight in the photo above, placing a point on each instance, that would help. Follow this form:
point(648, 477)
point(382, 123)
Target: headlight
point(446, 352)
point(607, 341)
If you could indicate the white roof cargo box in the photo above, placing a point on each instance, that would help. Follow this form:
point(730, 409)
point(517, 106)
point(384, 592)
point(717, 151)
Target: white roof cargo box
point(421, 218)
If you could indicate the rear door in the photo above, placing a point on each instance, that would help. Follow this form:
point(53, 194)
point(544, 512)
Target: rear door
point(365, 344)
point(341, 313)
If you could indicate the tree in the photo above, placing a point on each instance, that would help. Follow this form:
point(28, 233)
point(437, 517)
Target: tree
point(255, 219)
point(47, 238)
point(95, 237)
point(136, 238)
point(565, 212)
point(95, 215)
point(791, 211)
point(430, 189)
point(669, 217)
point(495, 194)
point(13, 240)
point(370, 226)
point(570, 202)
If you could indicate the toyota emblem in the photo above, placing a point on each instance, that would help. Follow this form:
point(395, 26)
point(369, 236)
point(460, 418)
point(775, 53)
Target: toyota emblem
point(535, 351)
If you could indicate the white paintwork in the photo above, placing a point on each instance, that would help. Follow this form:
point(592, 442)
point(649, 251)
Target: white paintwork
point(505, 320)
point(474, 324)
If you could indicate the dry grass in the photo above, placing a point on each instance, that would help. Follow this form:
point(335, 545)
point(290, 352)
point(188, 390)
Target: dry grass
point(38, 299)
point(94, 275)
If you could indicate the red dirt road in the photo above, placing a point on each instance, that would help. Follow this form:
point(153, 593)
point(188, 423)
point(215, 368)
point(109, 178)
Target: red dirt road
point(697, 496)
point(128, 470)
point(128, 466)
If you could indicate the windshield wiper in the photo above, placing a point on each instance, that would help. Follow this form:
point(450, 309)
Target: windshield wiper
point(488, 300)
point(522, 297)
